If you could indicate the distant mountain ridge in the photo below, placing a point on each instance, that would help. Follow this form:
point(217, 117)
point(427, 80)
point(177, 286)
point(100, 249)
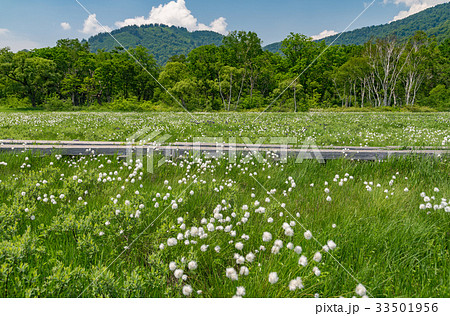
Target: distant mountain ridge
point(163, 41)
point(434, 21)
point(166, 41)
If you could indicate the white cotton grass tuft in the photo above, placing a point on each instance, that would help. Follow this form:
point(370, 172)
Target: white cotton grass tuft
point(317, 257)
point(240, 291)
point(316, 271)
point(303, 261)
point(267, 237)
point(178, 273)
point(296, 284)
point(172, 242)
point(172, 266)
point(331, 244)
point(273, 277)
point(308, 235)
point(360, 290)
point(298, 250)
point(231, 274)
point(244, 270)
point(278, 243)
point(192, 265)
point(250, 257)
point(187, 290)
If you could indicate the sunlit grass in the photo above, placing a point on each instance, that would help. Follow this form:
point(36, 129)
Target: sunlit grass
point(69, 248)
point(325, 129)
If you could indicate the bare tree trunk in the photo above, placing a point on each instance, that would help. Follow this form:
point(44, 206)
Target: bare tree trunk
point(231, 87)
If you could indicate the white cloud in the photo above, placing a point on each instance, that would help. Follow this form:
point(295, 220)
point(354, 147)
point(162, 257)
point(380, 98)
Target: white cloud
point(92, 27)
point(65, 26)
point(324, 34)
point(414, 6)
point(176, 13)
point(16, 42)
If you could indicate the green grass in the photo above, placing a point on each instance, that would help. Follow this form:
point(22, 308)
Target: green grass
point(326, 129)
point(388, 244)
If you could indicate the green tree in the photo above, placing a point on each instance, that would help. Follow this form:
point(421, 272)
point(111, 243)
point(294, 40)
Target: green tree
point(35, 75)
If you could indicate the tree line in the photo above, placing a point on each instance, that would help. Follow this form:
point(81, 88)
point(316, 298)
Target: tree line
point(237, 75)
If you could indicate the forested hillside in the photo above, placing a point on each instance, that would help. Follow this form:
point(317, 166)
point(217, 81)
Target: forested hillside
point(162, 41)
point(434, 21)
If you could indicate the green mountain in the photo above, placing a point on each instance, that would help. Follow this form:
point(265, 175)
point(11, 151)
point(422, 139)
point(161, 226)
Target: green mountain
point(434, 21)
point(162, 41)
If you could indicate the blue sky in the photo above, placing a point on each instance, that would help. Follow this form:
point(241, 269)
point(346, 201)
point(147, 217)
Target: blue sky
point(39, 23)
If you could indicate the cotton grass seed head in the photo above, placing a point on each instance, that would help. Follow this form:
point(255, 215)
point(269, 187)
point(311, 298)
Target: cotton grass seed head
point(187, 290)
point(267, 237)
point(360, 290)
point(192, 265)
point(273, 277)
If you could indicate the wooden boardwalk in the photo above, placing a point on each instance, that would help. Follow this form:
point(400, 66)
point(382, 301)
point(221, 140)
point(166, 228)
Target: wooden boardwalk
point(76, 148)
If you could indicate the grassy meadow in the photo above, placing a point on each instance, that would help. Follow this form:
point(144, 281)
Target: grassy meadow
point(325, 129)
point(98, 226)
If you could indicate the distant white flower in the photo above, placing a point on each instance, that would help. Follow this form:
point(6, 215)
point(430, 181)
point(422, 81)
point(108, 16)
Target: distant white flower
point(290, 246)
point(192, 265)
point(331, 244)
point(267, 237)
point(317, 257)
point(231, 274)
point(289, 232)
point(308, 234)
point(360, 290)
point(303, 261)
point(316, 271)
point(250, 257)
point(240, 260)
point(239, 246)
point(273, 277)
point(244, 270)
point(178, 273)
point(203, 248)
point(275, 250)
point(240, 291)
point(172, 266)
point(172, 242)
point(187, 290)
point(298, 250)
point(329, 198)
point(296, 284)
